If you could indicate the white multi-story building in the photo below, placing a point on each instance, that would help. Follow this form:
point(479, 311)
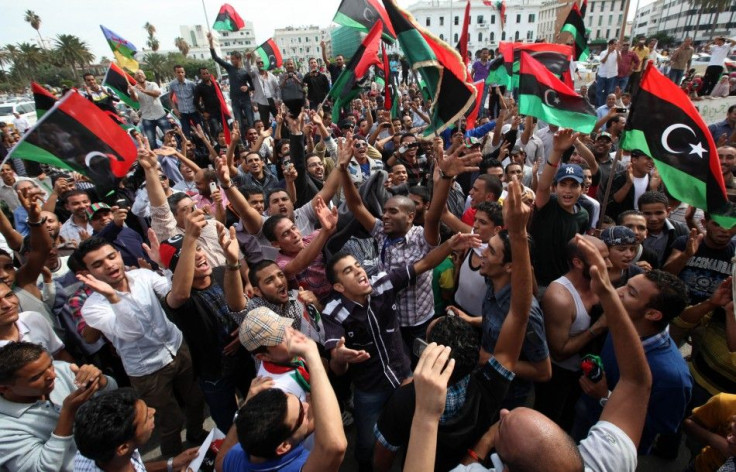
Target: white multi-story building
point(444, 19)
point(605, 18)
point(301, 43)
point(230, 41)
point(552, 14)
point(680, 18)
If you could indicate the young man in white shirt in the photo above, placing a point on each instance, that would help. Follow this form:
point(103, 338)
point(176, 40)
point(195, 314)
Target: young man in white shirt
point(127, 310)
point(718, 49)
point(607, 72)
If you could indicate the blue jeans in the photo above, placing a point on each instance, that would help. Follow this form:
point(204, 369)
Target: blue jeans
point(676, 75)
point(621, 83)
point(368, 407)
point(187, 119)
point(220, 397)
point(149, 129)
point(604, 86)
point(243, 113)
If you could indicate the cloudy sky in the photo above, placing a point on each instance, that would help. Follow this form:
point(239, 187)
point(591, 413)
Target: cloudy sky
point(83, 18)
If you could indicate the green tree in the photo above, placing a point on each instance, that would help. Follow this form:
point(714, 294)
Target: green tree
point(35, 21)
point(157, 64)
point(181, 45)
point(152, 42)
point(72, 52)
point(30, 57)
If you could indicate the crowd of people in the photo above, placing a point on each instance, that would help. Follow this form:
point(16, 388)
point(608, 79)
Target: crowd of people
point(492, 298)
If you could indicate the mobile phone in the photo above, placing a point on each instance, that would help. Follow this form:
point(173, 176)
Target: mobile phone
point(213, 187)
point(402, 149)
point(419, 346)
point(121, 203)
point(621, 110)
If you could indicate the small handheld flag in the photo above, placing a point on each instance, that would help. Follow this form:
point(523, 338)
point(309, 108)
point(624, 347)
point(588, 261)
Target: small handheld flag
point(118, 80)
point(270, 54)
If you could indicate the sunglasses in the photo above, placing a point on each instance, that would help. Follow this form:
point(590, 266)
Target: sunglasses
point(412, 145)
point(162, 178)
point(299, 419)
point(360, 145)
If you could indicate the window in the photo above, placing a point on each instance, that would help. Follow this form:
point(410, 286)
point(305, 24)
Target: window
point(492, 37)
point(442, 21)
point(530, 35)
point(608, 33)
point(531, 18)
point(480, 19)
point(592, 4)
point(503, 36)
point(621, 16)
point(613, 5)
point(429, 22)
point(457, 20)
point(617, 31)
point(456, 38)
point(442, 37)
point(600, 20)
point(493, 19)
point(480, 37)
point(516, 36)
point(299, 39)
point(518, 18)
point(603, 6)
point(610, 20)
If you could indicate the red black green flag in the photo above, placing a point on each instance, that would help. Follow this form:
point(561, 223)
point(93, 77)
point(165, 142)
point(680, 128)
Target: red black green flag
point(270, 54)
point(576, 27)
point(363, 14)
point(543, 95)
point(43, 98)
point(224, 115)
point(388, 96)
point(348, 84)
point(441, 67)
point(473, 112)
point(555, 57)
point(583, 8)
point(77, 135)
point(118, 80)
point(228, 19)
point(664, 124)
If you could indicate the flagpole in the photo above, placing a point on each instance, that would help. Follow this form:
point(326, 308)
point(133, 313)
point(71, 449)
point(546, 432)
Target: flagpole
point(609, 185)
point(209, 30)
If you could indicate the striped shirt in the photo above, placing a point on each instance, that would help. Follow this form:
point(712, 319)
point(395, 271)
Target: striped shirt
point(373, 328)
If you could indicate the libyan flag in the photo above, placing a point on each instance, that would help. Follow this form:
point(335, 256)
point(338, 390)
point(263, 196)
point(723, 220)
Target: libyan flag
point(228, 19)
point(43, 99)
point(118, 80)
point(576, 27)
point(270, 54)
point(441, 67)
point(555, 57)
point(664, 124)
point(76, 135)
point(348, 84)
point(362, 15)
point(543, 95)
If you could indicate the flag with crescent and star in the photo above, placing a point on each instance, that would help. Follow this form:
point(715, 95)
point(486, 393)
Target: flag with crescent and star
point(664, 124)
point(575, 26)
point(543, 95)
point(362, 15)
point(270, 54)
point(439, 66)
point(555, 57)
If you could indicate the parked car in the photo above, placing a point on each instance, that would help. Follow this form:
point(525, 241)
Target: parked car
point(26, 109)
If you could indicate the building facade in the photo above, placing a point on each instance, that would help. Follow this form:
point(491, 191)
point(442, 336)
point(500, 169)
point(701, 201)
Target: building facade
point(552, 15)
point(679, 19)
point(301, 43)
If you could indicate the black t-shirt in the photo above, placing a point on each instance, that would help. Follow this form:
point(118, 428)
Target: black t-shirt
point(486, 390)
point(705, 271)
point(552, 227)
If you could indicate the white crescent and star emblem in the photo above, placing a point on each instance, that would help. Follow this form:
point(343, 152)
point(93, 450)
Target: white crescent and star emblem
point(369, 15)
point(694, 148)
point(551, 98)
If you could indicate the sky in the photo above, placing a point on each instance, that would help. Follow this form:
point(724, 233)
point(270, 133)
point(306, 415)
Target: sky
point(83, 18)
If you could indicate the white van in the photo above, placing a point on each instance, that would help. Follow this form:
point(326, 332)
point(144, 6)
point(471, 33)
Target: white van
point(25, 109)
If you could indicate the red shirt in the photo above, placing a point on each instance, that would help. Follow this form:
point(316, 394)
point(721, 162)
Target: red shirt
point(627, 63)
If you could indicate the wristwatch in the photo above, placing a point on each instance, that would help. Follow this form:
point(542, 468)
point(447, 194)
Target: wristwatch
point(445, 176)
point(36, 223)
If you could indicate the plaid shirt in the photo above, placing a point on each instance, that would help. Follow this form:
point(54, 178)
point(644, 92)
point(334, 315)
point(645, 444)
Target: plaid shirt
point(415, 304)
point(307, 319)
point(84, 464)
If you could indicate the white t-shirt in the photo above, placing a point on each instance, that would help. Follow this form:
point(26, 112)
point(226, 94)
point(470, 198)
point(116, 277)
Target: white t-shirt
point(718, 54)
point(609, 68)
point(34, 328)
point(640, 186)
point(608, 449)
point(151, 108)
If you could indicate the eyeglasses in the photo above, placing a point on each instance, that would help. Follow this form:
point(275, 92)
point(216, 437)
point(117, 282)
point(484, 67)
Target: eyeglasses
point(360, 145)
point(412, 145)
point(348, 127)
point(162, 178)
point(299, 419)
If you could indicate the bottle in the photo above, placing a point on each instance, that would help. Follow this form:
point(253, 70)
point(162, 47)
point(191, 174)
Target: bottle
point(592, 367)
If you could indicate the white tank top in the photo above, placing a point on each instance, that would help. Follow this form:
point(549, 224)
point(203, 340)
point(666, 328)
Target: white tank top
point(579, 324)
point(471, 288)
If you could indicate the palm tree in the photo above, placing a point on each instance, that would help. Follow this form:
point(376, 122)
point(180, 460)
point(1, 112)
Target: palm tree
point(152, 42)
point(72, 51)
point(35, 21)
point(157, 63)
point(717, 7)
point(29, 58)
point(182, 45)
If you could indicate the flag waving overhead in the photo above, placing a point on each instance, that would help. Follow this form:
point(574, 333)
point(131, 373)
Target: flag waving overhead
point(462, 44)
point(43, 99)
point(363, 14)
point(441, 67)
point(387, 95)
point(473, 112)
point(228, 19)
point(543, 95)
point(583, 8)
point(118, 80)
point(270, 54)
point(555, 57)
point(347, 86)
point(122, 49)
point(664, 124)
point(576, 27)
point(75, 134)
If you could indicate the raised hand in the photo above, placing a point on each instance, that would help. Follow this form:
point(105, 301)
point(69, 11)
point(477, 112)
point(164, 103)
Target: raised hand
point(257, 385)
point(693, 242)
point(153, 249)
point(290, 172)
point(228, 243)
point(85, 374)
point(600, 282)
point(307, 297)
point(463, 241)
point(195, 222)
point(460, 161)
point(345, 151)
point(327, 218)
point(103, 288)
point(564, 138)
point(515, 212)
point(147, 159)
point(431, 376)
point(223, 172)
